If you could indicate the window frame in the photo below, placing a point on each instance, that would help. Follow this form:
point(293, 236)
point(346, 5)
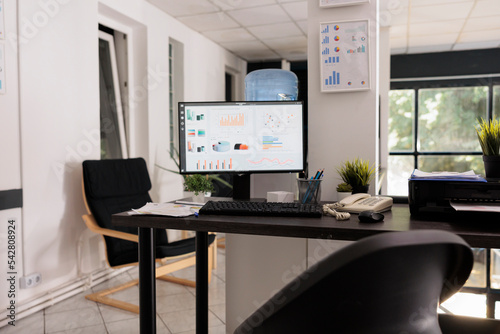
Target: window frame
point(109, 38)
point(416, 84)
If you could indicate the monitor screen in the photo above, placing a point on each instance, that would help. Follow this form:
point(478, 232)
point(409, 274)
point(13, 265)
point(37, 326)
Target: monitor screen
point(241, 137)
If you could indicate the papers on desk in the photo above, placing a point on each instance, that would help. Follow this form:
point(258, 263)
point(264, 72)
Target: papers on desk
point(478, 207)
point(447, 176)
point(168, 209)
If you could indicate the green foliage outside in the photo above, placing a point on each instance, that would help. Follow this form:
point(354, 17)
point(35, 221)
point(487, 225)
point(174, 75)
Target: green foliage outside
point(446, 121)
point(447, 117)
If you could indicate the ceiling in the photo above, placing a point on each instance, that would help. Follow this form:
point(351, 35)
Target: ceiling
point(259, 30)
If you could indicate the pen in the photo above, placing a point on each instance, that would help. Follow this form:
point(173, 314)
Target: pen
point(311, 189)
point(316, 185)
point(304, 199)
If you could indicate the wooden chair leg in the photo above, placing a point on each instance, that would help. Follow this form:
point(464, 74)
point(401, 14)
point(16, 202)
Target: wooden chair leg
point(100, 297)
point(221, 243)
point(161, 273)
point(214, 251)
point(210, 261)
point(178, 280)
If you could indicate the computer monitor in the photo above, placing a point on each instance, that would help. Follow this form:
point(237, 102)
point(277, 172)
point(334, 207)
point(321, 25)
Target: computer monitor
point(241, 138)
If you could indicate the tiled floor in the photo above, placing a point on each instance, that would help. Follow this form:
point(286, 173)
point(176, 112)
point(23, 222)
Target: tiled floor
point(175, 309)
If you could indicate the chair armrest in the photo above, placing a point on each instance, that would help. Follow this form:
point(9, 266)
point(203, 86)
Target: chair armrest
point(92, 225)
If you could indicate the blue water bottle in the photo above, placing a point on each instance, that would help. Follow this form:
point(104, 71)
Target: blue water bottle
point(271, 85)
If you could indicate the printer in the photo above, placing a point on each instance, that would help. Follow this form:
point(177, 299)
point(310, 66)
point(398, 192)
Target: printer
point(435, 196)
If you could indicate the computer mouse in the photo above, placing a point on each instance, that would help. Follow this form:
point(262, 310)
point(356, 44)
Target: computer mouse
point(370, 217)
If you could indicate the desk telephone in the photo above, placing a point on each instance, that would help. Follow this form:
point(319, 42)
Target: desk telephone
point(363, 202)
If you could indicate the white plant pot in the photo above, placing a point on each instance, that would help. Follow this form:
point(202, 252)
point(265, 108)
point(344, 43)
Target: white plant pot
point(342, 195)
point(188, 195)
point(200, 198)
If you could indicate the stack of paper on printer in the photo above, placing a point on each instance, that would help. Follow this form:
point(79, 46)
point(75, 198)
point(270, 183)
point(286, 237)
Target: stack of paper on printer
point(447, 176)
point(167, 209)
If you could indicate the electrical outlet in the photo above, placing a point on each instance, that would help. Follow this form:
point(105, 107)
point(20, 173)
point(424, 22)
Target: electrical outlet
point(30, 281)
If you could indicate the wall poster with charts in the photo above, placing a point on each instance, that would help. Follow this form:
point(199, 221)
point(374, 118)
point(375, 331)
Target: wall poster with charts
point(344, 56)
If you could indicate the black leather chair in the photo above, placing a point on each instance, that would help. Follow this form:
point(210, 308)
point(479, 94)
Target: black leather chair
point(112, 186)
point(388, 283)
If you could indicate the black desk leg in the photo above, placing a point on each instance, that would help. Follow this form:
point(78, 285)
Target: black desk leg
point(202, 282)
point(147, 281)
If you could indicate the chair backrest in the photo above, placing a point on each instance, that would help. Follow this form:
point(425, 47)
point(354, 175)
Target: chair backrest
point(113, 186)
point(388, 283)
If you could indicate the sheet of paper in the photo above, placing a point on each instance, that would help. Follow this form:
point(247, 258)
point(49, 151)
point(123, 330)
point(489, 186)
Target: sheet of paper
point(449, 176)
point(168, 209)
point(481, 207)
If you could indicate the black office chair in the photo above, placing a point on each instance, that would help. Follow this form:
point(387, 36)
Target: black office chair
point(388, 283)
point(112, 186)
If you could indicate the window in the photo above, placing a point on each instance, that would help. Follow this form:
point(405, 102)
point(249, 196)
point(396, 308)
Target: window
point(176, 90)
point(434, 103)
point(113, 136)
point(431, 127)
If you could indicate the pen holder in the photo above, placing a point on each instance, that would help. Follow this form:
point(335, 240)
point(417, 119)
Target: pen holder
point(309, 190)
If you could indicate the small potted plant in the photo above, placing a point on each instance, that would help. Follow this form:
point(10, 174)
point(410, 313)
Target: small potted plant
point(343, 190)
point(358, 174)
point(488, 133)
point(199, 184)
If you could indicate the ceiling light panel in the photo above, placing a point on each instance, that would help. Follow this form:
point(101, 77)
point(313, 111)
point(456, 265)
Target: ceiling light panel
point(207, 22)
point(276, 30)
point(259, 15)
point(418, 3)
point(239, 4)
point(297, 10)
point(441, 27)
point(229, 35)
point(287, 43)
point(483, 23)
point(486, 8)
point(488, 37)
point(185, 7)
point(459, 10)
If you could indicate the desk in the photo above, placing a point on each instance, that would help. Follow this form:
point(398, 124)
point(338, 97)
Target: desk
point(477, 232)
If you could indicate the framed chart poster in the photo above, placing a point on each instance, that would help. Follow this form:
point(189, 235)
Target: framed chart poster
point(334, 3)
point(344, 56)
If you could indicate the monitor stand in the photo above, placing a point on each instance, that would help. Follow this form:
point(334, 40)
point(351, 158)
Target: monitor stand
point(241, 186)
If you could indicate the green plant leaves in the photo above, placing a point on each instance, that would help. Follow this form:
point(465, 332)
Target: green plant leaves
point(488, 133)
point(198, 183)
point(357, 172)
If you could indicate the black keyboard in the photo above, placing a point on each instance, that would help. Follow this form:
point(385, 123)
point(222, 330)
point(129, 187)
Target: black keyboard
point(241, 208)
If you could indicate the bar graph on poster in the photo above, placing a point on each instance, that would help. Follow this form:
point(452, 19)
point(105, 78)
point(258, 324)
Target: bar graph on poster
point(344, 56)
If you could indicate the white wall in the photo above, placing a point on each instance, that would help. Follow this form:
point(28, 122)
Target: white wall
point(10, 167)
point(347, 120)
point(59, 95)
point(53, 125)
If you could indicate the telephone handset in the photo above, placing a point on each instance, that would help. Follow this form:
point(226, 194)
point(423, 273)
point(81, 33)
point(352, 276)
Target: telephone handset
point(362, 202)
